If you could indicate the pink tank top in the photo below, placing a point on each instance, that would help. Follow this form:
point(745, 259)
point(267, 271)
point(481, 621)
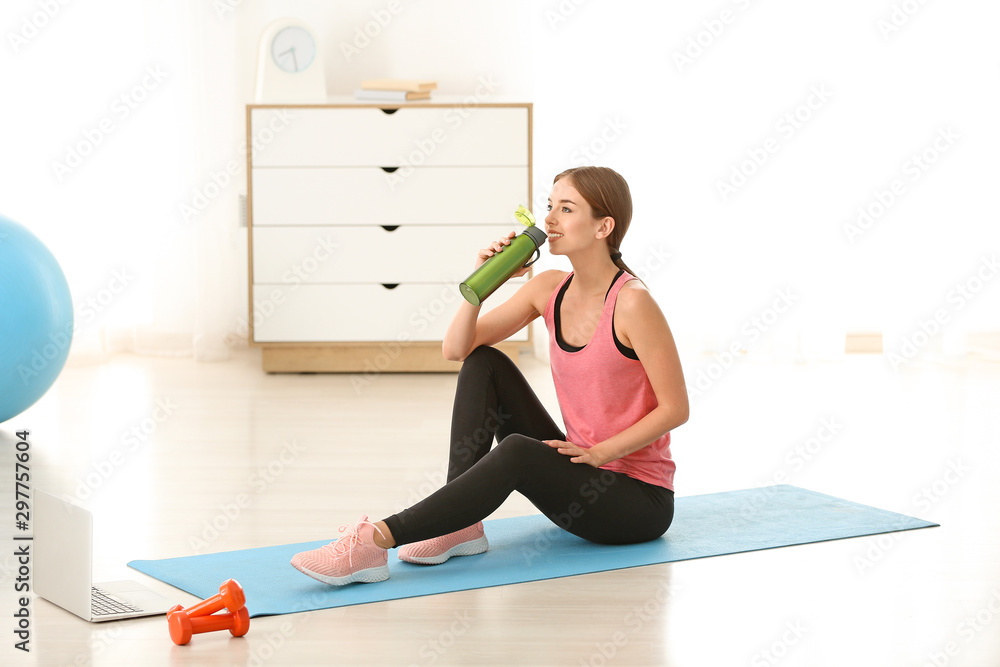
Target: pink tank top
point(602, 392)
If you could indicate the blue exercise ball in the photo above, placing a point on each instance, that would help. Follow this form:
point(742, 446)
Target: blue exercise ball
point(36, 319)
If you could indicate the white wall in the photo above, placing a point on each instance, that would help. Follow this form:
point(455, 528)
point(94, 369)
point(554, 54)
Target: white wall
point(603, 76)
point(609, 88)
point(690, 124)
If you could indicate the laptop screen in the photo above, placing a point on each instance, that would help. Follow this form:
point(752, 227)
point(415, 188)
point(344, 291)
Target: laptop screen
point(63, 550)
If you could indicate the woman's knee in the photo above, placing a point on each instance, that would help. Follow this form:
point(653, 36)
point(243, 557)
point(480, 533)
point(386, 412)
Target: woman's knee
point(522, 447)
point(483, 359)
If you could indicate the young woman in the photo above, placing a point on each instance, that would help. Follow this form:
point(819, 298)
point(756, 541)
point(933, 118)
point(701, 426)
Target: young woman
point(618, 379)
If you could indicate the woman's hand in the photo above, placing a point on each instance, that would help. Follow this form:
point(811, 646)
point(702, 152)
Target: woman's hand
point(496, 247)
point(578, 454)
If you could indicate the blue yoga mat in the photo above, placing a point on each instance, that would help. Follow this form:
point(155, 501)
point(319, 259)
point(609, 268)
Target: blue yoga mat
point(532, 548)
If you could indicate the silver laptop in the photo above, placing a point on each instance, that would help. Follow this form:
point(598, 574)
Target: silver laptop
point(63, 536)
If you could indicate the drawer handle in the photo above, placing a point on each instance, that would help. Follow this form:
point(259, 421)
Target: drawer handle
point(389, 112)
point(390, 285)
point(390, 228)
point(389, 170)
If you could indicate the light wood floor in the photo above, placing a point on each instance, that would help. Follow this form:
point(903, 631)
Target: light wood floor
point(314, 451)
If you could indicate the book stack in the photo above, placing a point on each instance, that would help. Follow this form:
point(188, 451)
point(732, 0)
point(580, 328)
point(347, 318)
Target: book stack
point(395, 90)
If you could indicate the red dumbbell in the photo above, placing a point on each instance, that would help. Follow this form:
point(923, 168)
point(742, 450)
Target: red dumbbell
point(183, 626)
point(230, 596)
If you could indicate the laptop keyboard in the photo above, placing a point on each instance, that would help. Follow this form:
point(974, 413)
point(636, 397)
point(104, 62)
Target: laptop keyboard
point(102, 604)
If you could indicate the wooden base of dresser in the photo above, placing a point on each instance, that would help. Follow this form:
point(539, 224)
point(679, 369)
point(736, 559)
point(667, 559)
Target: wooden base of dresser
point(387, 357)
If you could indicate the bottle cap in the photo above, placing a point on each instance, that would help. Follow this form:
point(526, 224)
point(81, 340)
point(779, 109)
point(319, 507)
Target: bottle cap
point(536, 234)
point(524, 216)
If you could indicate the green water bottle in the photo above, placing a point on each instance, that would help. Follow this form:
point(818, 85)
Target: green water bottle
point(495, 271)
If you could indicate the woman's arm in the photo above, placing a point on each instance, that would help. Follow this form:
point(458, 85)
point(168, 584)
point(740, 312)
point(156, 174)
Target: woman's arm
point(644, 329)
point(467, 330)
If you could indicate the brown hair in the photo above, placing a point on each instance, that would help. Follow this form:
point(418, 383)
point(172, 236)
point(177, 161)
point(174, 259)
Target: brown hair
point(608, 195)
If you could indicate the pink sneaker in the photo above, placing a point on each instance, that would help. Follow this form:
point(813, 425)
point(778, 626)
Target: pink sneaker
point(466, 542)
point(354, 557)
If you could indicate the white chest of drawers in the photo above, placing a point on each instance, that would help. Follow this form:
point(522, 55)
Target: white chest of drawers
point(363, 219)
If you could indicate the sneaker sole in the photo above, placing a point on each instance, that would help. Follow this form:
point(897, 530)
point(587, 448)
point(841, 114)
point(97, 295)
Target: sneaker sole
point(470, 548)
point(368, 576)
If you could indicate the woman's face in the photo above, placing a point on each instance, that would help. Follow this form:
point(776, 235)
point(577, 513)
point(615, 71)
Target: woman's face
point(570, 222)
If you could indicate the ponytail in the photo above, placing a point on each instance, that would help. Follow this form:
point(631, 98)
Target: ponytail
point(609, 196)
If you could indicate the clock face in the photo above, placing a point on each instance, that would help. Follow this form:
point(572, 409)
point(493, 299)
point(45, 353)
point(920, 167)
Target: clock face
point(293, 49)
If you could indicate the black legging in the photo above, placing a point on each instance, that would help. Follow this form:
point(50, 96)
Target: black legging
point(493, 398)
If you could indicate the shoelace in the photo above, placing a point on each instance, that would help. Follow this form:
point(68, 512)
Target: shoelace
point(348, 541)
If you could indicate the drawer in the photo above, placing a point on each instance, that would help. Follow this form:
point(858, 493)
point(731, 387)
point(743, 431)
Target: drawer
point(419, 254)
point(362, 313)
point(353, 196)
point(368, 136)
